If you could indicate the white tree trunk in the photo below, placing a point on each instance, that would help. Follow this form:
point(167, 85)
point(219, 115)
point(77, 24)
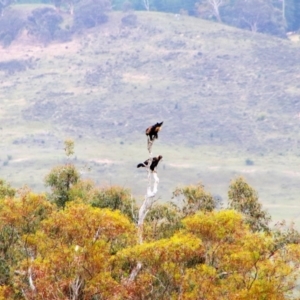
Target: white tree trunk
point(147, 4)
point(146, 206)
point(215, 4)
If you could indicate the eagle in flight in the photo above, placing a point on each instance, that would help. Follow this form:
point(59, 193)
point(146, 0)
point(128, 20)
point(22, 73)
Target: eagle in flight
point(153, 130)
point(154, 163)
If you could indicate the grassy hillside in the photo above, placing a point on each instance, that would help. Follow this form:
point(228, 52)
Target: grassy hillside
point(229, 100)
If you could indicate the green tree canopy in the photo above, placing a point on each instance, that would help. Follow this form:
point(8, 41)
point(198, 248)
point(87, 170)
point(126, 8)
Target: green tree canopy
point(243, 198)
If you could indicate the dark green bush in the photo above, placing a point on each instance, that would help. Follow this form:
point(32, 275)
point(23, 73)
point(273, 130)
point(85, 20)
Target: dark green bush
point(44, 24)
point(129, 20)
point(11, 24)
point(88, 16)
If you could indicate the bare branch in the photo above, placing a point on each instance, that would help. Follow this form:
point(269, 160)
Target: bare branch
point(76, 287)
point(215, 5)
point(96, 236)
point(149, 145)
point(135, 272)
point(31, 284)
point(146, 206)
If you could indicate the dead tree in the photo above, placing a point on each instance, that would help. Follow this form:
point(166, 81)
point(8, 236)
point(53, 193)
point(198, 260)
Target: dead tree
point(215, 8)
point(147, 4)
point(152, 189)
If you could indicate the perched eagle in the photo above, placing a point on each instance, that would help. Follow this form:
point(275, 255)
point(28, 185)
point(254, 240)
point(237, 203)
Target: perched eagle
point(155, 161)
point(153, 130)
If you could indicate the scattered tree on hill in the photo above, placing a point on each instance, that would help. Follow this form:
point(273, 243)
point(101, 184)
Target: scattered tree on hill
point(291, 13)
point(11, 25)
point(62, 178)
point(243, 198)
point(103, 5)
point(258, 16)
point(116, 198)
point(90, 14)
point(195, 198)
point(69, 3)
point(173, 6)
point(6, 190)
point(3, 5)
point(57, 4)
point(146, 4)
point(44, 24)
point(213, 6)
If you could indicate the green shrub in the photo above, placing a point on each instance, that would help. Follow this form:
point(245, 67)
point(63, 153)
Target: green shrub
point(88, 16)
point(44, 24)
point(11, 24)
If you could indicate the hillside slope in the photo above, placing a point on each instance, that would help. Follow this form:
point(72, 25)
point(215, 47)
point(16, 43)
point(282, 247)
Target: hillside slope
point(224, 95)
point(221, 84)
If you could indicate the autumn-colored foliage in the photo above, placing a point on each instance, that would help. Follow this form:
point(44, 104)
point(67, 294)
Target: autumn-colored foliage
point(72, 249)
point(242, 262)
point(89, 247)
